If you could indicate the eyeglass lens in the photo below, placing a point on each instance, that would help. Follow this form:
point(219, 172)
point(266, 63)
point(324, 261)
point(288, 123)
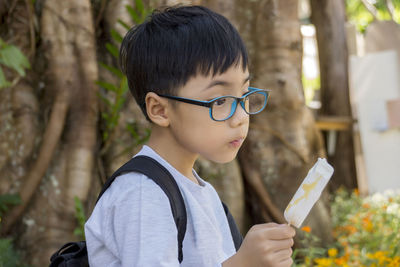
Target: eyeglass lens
point(223, 108)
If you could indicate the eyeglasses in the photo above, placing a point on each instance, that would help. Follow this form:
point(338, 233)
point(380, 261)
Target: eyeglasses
point(223, 107)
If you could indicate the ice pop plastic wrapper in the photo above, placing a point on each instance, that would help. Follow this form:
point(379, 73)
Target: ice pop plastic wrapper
point(308, 193)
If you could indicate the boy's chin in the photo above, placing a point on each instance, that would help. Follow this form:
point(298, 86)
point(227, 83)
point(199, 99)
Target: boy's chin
point(222, 159)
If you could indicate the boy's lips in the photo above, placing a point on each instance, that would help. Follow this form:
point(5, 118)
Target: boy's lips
point(237, 142)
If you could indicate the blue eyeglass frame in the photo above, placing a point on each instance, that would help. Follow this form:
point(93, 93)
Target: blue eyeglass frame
point(238, 100)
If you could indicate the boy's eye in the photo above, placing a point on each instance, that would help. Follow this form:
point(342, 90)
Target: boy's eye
point(220, 101)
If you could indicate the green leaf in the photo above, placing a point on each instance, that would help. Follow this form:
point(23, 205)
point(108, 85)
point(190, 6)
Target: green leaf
point(9, 256)
point(130, 10)
point(119, 103)
point(113, 70)
point(124, 85)
point(13, 58)
point(80, 217)
point(105, 116)
point(10, 199)
point(107, 86)
point(112, 49)
point(131, 129)
point(139, 6)
point(3, 81)
point(116, 36)
point(124, 24)
point(7, 200)
point(135, 17)
point(105, 100)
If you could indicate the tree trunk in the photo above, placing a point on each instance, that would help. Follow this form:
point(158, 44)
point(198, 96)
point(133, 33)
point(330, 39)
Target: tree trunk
point(49, 130)
point(64, 165)
point(283, 142)
point(328, 17)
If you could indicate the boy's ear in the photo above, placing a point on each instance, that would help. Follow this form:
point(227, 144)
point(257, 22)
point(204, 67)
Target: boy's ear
point(157, 109)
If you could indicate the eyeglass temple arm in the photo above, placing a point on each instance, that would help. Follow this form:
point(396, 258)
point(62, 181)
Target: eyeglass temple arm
point(190, 101)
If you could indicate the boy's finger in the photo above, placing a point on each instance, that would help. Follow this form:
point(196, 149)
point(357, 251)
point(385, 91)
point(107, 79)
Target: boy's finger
point(279, 232)
point(265, 225)
point(283, 254)
point(278, 245)
point(286, 263)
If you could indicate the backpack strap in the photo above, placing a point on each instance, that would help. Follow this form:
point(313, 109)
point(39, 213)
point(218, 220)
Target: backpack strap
point(236, 235)
point(161, 176)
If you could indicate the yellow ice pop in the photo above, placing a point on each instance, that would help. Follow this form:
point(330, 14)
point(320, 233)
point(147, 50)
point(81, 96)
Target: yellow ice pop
point(308, 193)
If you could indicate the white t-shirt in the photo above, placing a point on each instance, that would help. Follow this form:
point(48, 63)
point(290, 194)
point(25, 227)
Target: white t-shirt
point(132, 224)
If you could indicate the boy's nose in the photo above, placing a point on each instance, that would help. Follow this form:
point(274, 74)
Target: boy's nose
point(239, 117)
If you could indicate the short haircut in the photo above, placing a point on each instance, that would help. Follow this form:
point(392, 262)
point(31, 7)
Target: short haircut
point(175, 44)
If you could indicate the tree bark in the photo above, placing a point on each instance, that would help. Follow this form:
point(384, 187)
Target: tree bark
point(64, 166)
point(329, 19)
point(283, 142)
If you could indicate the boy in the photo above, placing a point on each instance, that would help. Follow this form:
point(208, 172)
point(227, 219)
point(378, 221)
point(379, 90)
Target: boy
point(187, 69)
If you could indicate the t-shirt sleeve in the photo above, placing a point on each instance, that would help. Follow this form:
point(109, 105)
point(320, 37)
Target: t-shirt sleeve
point(136, 226)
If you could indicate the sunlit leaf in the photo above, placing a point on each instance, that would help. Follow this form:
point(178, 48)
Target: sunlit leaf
point(124, 24)
point(3, 81)
point(116, 36)
point(107, 86)
point(13, 58)
point(132, 12)
point(112, 49)
point(139, 6)
point(113, 70)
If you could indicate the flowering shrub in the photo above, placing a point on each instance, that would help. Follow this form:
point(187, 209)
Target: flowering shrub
point(366, 230)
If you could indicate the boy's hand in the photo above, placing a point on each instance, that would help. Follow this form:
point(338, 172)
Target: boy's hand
point(265, 245)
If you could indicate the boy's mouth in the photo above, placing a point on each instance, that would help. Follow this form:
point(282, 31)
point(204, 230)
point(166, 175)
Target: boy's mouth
point(237, 142)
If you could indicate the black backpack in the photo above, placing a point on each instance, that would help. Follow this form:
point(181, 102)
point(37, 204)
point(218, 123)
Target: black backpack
point(74, 254)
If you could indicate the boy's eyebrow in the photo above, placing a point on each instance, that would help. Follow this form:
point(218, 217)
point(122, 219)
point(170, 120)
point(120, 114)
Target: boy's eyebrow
point(224, 83)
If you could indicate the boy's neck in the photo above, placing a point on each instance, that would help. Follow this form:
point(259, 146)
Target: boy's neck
point(162, 142)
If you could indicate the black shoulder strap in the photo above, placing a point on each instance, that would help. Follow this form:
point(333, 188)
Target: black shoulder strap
point(161, 176)
point(236, 235)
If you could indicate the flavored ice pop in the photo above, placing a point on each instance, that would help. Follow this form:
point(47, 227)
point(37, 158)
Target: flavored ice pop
point(308, 193)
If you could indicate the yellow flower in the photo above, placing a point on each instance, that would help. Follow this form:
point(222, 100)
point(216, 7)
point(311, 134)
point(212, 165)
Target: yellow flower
point(367, 224)
point(380, 256)
point(366, 205)
point(356, 192)
point(340, 261)
point(332, 252)
point(395, 262)
point(323, 262)
point(306, 229)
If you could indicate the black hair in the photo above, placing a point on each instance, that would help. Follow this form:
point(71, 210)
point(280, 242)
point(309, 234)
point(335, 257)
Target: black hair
point(175, 44)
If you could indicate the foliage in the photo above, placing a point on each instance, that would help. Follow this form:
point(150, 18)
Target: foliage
point(119, 89)
point(12, 58)
point(8, 200)
point(133, 130)
point(112, 113)
point(358, 14)
point(8, 256)
point(81, 218)
point(355, 220)
point(310, 249)
point(139, 13)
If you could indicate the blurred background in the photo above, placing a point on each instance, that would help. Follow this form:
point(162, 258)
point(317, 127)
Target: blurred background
point(67, 121)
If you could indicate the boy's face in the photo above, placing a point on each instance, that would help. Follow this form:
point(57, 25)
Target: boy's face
point(191, 125)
